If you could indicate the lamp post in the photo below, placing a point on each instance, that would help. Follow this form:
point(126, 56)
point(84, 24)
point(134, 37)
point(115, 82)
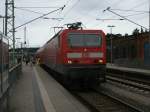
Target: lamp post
point(111, 43)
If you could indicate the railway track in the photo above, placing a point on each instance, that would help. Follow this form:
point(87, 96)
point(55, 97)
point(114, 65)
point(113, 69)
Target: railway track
point(99, 102)
point(130, 83)
point(102, 101)
point(129, 89)
point(138, 77)
point(130, 80)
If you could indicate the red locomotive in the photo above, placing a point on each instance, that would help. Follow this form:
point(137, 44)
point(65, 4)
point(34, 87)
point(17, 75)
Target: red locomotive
point(77, 55)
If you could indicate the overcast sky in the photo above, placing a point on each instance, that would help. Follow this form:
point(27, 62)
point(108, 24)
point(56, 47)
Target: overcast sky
point(86, 11)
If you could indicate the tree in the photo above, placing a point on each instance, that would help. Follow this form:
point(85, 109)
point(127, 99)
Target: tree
point(146, 31)
point(135, 31)
point(118, 35)
point(142, 31)
point(126, 35)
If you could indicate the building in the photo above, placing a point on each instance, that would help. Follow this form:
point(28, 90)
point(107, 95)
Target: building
point(130, 50)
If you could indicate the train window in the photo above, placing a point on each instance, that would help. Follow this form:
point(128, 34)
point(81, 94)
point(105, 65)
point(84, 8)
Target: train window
point(84, 40)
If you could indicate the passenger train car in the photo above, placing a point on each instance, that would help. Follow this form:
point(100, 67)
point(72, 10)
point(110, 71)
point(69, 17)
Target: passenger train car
point(4, 66)
point(77, 55)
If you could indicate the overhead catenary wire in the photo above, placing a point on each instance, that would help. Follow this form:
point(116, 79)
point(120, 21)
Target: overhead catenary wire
point(130, 10)
point(111, 4)
point(120, 19)
point(117, 3)
point(135, 14)
point(69, 9)
point(28, 10)
point(61, 8)
point(109, 9)
point(36, 7)
point(108, 19)
point(66, 4)
point(140, 4)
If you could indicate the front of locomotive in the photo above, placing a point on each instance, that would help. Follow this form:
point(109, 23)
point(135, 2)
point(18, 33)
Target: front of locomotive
point(85, 54)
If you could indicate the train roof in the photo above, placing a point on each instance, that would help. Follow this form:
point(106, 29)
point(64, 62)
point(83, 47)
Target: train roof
point(74, 30)
point(67, 30)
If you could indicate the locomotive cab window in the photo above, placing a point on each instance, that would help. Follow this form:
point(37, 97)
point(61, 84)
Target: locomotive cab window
point(84, 40)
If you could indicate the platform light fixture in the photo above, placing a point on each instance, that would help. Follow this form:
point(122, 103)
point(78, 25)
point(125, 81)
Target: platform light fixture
point(111, 43)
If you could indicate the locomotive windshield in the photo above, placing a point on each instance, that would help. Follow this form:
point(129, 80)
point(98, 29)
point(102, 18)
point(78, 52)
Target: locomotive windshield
point(84, 40)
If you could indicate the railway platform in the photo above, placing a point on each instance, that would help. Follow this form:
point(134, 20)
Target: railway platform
point(37, 91)
point(133, 70)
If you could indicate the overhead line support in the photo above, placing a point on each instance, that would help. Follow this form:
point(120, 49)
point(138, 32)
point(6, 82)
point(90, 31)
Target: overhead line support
point(10, 22)
point(108, 9)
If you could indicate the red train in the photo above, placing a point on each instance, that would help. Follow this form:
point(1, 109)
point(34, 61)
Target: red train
point(4, 65)
point(77, 55)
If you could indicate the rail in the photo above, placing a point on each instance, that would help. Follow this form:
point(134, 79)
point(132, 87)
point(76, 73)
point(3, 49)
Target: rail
point(97, 102)
point(141, 86)
point(138, 75)
point(123, 82)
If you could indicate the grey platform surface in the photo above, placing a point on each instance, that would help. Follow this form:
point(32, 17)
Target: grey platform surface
point(113, 66)
point(37, 91)
point(21, 95)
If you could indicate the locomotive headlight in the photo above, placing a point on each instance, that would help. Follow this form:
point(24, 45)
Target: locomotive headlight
point(100, 61)
point(70, 62)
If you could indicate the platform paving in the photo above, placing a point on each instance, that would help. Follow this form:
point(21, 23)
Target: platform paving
point(61, 99)
point(21, 95)
point(37, 91)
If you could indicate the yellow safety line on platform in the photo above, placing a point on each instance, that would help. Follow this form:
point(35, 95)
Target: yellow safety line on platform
point(46, 101)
